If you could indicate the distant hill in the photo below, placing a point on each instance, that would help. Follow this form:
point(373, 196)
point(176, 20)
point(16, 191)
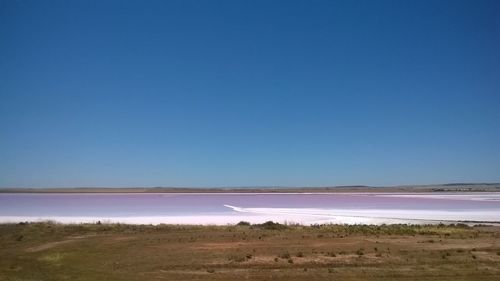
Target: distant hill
point(449, 187)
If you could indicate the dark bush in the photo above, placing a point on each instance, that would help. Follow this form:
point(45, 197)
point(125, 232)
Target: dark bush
point(285, 256)
point(270, 225)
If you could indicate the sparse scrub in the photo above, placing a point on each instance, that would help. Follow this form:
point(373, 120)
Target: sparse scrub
point(51, 250)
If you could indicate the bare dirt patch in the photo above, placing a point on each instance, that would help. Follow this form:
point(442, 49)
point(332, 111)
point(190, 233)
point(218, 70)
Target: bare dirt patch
point(50, 245)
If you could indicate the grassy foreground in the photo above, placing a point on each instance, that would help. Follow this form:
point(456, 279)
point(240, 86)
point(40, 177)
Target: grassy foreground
point(48, 251)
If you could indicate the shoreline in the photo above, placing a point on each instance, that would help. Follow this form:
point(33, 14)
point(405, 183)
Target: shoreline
point(190, 221)
point(304, 217)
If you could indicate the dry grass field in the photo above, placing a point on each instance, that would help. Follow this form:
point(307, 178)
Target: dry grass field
point(48, 251)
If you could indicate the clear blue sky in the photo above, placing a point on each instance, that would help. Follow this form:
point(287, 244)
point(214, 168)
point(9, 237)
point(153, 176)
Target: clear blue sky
point(248, 93)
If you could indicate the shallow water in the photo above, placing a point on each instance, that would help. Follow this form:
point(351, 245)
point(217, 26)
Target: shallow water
point(217, 208)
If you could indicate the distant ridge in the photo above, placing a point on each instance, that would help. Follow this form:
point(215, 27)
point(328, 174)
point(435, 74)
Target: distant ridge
point(468, 183)
point(448, 187)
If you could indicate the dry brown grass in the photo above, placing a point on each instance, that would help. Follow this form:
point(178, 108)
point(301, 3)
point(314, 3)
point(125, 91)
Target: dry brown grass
point(48, 251)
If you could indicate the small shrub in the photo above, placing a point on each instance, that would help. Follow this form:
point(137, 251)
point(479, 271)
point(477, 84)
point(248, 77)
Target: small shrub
point(299, 255)
point(290, 260)
point(285, 256)
point(235, 258)
point(243, 223)
point(360, 252)
point(270, 225)
point(211, 270)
